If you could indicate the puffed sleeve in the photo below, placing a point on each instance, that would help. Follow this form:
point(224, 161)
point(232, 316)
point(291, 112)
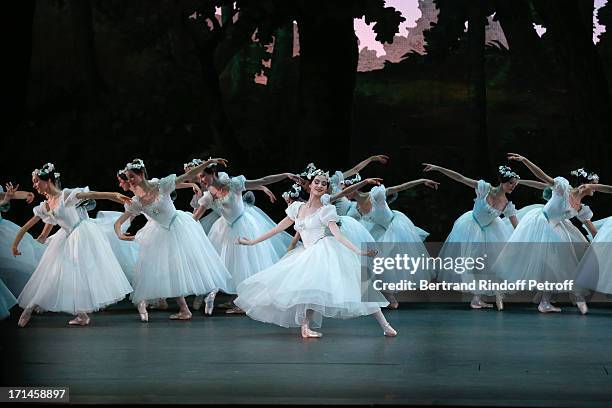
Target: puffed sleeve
point(510, 210)
point(206, 200)
point(328, 214)
point(237, 184)
point(482, 189)
point(585, 213)
point(293, 209)
point(325, 199)
point(561, 186)
point(41, 212)
point(378, 195)
point(70, 196)
point(134, 208)
point(194, 202)
point(168, 184)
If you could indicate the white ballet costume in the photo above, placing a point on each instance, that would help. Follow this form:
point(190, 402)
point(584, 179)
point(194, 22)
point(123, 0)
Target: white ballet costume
point(176, 258)
point(322, 276)
point(209, 219)
point(398, 235)
point(126, 252)
point(595, 268)
point(240, 220)
point(7, 301)
point(556, 245)
point(16, 271)
point(78, 272)
point(479, 233)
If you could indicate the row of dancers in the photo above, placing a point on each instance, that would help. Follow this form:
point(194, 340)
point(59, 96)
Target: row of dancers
point(237, 249)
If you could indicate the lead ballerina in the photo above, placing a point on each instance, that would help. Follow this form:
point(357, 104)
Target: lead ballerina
point(78, 272)
point(320, 279)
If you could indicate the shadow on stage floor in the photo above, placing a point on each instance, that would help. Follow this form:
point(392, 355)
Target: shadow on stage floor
point(445, 354)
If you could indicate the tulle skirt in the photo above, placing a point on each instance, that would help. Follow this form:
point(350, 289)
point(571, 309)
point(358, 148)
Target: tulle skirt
point(280, 241)
point(77, 273)
point(179, 261)
point(16, 271)
point(244, 261)
point(126, 252)
point(324, 277)
point(7, 301)
point(467, 240)
point(595, 268)
point(208, 220)
point(541, 251)
point(402, 237)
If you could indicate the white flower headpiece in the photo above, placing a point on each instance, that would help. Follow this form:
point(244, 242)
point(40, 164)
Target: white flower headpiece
point(192, 164)
point(136, 164)
point(351, 181)
point(294, 192)
point(317, 172)
point(581, 172)
point(121, 172)
point(45, 170)
point(309, 168)
point(507, 172)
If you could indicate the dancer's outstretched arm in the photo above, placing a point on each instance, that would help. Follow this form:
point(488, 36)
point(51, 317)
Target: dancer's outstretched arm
point(120, 234)
point(602, 188)
point(45, 233)
point(533, 184)
point(335, 230)
point(411, 184)
point(192, 173)
point(22, 231)
point(355, 187)
point(196, 189)
point(13, 193)
point(264, 181)
point(381, 158)
point(267, 191)
point(451, 174)
point(538, 172)
point(280, 227)
point(97, 195)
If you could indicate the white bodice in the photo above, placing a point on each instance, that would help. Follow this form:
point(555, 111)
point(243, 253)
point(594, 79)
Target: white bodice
point(483, 213)
point(162, 209)
point(312, 227)
point(558, 208)
point(67, 214)
point(231, 206)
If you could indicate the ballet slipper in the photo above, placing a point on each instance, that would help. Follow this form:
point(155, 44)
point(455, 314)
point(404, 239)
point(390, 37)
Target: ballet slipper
point(181, 316)
point(389, 331)
point(142, 311)
point(197, 302)
point(480, 304)
point(235, 310)
point(209, 303)
point(547, 308)
point(499, 302)
point(582, 306)
point(310, 334)
point(227, 305)
point(78, 321)
point(24, 318)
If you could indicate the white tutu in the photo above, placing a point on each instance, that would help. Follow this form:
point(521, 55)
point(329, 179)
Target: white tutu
point(323, 276)
point(479, 233)
point(16, 271)
point(545, 246)
point(7, 301)
point(397, 235)
point(595, 268)
point(78, 272)
point(208, 221)
point(240, 220)
point(175, 257)
point(126, 252)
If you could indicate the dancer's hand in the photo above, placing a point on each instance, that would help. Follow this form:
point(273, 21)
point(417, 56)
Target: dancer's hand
point(41, 239)
point(10, 191)
point(296, 179)
point(220, 161)
point(430, 167)
point(122, 199)
point(269, 193)
point(516, 157)
point(244, 241)
point(16, 251)
point(381, 158)
point(126, 237)
point(29, 197)
point(196, 189)
point(370, 253)
point(431, 184)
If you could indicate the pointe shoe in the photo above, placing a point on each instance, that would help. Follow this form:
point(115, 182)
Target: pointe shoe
point(235, 310)
point(181, 316)
point(24, 318)
point(209, 303)
point(227, 305)
point(389, 331)
point(78, 321)
point(582, 306)
point(142, 312)
point(310, 334)
point(547, 308)
point(499, 302)
point(480, 304)
point(197, 302)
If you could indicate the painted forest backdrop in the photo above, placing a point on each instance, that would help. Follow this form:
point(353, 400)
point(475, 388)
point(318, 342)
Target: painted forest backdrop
point(274, 84)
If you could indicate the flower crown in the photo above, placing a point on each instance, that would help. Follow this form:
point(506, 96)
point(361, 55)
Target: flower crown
point(293, 192)
point(192, 164)
point(581, 172)
point(507, 172)
point(351, 181)
point(45, 170)
point(121, 172)
point(317, 172)
point(309, 168)
point(135, 164)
